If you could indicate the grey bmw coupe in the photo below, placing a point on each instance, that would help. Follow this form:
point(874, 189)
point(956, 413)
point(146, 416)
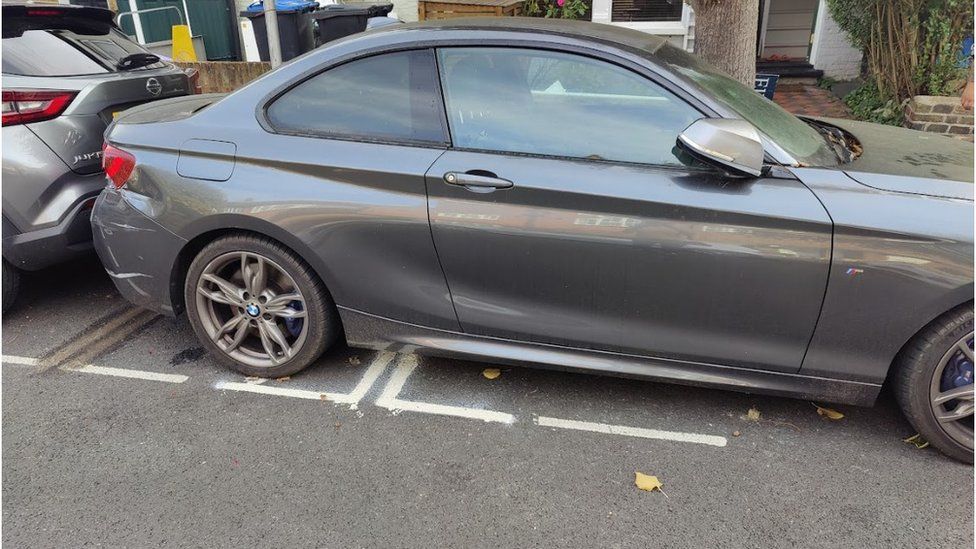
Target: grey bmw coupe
point(559, 194)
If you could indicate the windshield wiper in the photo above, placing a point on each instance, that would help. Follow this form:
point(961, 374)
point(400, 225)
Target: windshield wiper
point(137, 61)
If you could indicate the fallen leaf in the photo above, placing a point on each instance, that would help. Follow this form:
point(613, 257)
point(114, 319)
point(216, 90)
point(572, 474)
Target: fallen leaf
point(283, 379)
point(491, 373)
point(917, 440)
point(354, 360)
point(736, 433)
point(323, 396)
point(828, 413)
point(648, 483)
point(752, 414)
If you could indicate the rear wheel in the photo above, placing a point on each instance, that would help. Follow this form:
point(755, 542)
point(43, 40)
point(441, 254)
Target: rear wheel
point(11, 285)
point(934, 383)
point(258, 307)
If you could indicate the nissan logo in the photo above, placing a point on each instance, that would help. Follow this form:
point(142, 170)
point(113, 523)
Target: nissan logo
point(154, 87)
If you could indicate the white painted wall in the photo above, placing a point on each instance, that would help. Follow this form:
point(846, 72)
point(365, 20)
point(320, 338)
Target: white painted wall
point(831, 51)
point(680, 33)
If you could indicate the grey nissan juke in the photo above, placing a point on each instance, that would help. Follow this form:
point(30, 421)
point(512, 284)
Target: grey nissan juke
point(561, 194)
point(67, 71)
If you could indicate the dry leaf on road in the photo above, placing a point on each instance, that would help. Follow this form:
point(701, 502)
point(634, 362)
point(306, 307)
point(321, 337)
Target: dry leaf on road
point(491, 373)
point(752, 414)
point(828, 413)
point(917, 440)
point(648, 483)
point(283, 379)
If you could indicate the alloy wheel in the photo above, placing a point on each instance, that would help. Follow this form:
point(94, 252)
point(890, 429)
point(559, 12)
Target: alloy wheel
point(951, 392)
point(252, 309)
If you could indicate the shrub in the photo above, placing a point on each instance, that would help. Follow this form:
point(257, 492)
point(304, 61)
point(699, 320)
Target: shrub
point(867, 103)
point(558, 9)
point(912, 47)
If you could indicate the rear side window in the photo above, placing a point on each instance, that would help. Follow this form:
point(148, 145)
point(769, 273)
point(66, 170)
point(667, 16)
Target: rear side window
point(387, 97)
point(84, 49)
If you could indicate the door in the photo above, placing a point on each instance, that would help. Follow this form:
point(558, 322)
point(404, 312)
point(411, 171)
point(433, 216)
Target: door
point(789, 26)
point(563, 216)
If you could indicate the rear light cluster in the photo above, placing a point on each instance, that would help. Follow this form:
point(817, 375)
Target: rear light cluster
point(26, 106)
point(118, 165)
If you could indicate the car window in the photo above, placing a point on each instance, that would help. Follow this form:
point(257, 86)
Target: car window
point(84, 49)
point(789, 132)
point(391, 96)
point(558, 104)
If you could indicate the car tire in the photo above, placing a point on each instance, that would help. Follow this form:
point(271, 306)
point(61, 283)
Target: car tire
point(915, 385)
point(319, 326)
point(11, 285)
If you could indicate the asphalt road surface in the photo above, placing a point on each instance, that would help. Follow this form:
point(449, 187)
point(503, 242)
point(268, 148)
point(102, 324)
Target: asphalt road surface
point(144, 441)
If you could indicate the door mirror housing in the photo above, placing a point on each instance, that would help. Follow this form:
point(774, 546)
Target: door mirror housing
point(732, 145)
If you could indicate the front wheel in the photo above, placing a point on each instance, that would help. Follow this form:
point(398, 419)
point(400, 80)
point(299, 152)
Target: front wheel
point(934, 383)
point(258, 307)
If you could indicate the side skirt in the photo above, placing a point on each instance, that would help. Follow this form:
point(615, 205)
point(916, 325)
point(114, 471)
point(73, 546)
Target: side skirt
point(375, 332)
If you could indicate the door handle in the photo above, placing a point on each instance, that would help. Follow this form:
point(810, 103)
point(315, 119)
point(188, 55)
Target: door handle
point(476, 181)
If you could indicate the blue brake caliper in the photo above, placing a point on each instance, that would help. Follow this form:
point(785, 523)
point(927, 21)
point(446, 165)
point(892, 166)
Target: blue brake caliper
point(958, 372)
point(294, 325)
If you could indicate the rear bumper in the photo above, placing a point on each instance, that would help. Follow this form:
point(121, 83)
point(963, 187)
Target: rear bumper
point(136, 252)
point(42, 248)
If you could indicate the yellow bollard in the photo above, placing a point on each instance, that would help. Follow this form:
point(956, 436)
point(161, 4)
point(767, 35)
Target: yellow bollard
point(183, 44)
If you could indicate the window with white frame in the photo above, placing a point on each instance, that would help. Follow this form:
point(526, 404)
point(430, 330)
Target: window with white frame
point(645, 10)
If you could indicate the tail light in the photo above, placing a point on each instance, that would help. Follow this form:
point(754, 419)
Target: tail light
point(118, 165)
point(25, 106)
point(194, 78)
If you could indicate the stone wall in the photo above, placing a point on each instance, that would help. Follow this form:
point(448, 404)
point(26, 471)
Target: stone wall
point(226, 76)
point(943, 115)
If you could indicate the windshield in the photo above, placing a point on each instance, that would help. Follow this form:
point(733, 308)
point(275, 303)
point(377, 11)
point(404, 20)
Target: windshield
point(48, 50)
point(793, 135)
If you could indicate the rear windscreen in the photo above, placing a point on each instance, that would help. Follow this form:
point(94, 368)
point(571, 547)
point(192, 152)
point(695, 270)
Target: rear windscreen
point(32, 48)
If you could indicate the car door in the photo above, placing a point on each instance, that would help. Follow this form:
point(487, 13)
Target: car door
point(343, 169)
point(563, 215)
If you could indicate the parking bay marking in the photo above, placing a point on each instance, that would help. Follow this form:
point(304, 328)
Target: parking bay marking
point(375, 370)
point(639, 432)
point(122, 372)
point(20, 360)
point(405, 366)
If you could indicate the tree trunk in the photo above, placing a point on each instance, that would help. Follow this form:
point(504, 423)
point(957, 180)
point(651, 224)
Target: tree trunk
point(725, 36)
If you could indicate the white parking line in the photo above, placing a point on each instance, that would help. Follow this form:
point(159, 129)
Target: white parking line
point(136, 374)
point(20, 360)
point(676, 436)
point(406, 365)
point(271, 390)
point(374, 371)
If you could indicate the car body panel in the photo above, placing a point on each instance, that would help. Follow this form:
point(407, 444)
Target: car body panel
point(360, 222)
point(642, 260)
point(899, 261)
point(357, 212)
point(374, 332)
point(892, 151)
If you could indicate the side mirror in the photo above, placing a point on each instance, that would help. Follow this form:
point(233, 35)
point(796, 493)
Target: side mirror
point(731, 145)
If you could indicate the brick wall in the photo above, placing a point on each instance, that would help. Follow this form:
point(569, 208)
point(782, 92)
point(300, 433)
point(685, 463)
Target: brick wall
point(226, 76)
point(831, 51)
point(943, 115)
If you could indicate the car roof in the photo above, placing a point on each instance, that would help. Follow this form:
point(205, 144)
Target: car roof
point(597, 32)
